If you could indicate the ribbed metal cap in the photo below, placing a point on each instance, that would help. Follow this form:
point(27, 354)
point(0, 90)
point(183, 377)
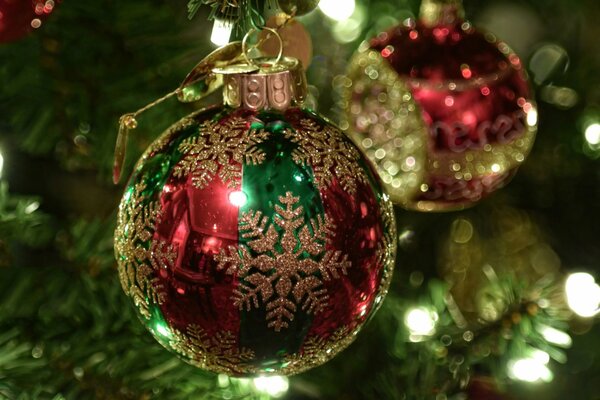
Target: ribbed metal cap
point(265, 84)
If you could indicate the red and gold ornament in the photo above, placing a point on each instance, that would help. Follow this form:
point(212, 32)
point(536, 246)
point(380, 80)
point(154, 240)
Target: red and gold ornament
point(19, 17)
point(253, 237)
point(443, 110)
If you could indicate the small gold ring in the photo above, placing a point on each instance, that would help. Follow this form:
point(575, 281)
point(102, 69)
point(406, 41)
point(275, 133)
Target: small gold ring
point(245, 45)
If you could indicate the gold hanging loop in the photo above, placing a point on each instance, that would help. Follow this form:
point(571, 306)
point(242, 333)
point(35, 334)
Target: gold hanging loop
point(246, 50)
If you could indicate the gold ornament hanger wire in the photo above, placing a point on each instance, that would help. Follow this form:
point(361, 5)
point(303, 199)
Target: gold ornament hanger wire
point(230, 54)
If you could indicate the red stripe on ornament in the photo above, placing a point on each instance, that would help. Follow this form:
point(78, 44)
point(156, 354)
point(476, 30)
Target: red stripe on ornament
point(198, 223)
point(357, 233)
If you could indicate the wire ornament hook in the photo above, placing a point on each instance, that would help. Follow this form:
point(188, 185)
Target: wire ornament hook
point(246, 50)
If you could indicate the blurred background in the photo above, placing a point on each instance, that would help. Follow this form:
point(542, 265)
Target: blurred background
point(518, 268)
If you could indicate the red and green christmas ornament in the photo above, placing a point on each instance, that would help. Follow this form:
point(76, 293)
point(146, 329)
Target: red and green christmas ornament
point(253, 237)
point(444, 110)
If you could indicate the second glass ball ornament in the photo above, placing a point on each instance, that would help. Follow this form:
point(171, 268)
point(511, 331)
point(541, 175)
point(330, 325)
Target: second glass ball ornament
point(253, 237)
point(443, 110)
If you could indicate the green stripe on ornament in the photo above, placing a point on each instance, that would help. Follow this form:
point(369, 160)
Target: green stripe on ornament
point(157, 168)
point(264, 185)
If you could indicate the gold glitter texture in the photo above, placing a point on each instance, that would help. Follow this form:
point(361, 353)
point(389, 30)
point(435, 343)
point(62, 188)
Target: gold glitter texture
point(386, 123)
point(218, 353)
point(137, 259)
point(386, 249)
point(280, 277)
point(318, 350)
point(220, 149)
point(329, 154)
point(383, 119)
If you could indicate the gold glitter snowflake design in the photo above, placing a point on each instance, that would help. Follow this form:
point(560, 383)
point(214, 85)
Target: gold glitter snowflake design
point(137, 256)
point(281, 274)
point(328, 152)
point(218, 353)
point(219, 150)
point(318, 350)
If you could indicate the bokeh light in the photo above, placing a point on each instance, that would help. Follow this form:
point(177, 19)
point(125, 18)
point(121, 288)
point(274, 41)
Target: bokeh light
point(583, 294)
point(349, 29)
point(221, 32)
point(420, 322)
point(531, 369)
point(555, 336)
point(1, 164)
point(337, 9)
point(275, 386)
point(592, 134)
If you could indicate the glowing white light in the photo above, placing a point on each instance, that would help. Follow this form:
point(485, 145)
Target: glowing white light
point(349, 29)
point(532, 117)
point(223, 380)
point(275, 386)
point(238, 198)
point(163, 330)
point(555, 336)
point(421, 321)
point(1, 164)
point(529, 370)
point(540, 356)
point(337, 9)
point(221, 32)
point(32, 207)
point(592, 134)
point(583, 294)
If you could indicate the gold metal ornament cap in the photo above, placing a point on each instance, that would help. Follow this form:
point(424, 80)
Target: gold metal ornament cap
point(274, 84)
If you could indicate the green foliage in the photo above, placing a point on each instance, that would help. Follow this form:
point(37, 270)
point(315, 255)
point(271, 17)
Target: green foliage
point(20, 219)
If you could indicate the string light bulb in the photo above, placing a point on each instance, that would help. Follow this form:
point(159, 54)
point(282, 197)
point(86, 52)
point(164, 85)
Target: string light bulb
point(274, 386)
point(583, 294)
point(221, 32)
point(337, 10)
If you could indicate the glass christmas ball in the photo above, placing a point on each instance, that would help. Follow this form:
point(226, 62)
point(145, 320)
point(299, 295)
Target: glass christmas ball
point(19, 17)
point(255, 241)
point(444, 110)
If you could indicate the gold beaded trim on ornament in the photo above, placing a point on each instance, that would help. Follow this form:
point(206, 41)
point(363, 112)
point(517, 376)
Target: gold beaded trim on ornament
point(386, 249)
point(318, 350)
point(138, 256)
point(218, 353)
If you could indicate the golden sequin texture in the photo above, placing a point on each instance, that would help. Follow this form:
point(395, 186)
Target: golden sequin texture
point(318, 350)
point(138, 258)
point(280, 276)
point(220, 149)
point(386, 251)
point(218, 353)
point(331, 156)
point(393, 136)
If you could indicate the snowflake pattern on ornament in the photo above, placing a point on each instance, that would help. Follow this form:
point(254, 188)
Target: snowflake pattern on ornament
point(281, 274)
point(220, 150)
